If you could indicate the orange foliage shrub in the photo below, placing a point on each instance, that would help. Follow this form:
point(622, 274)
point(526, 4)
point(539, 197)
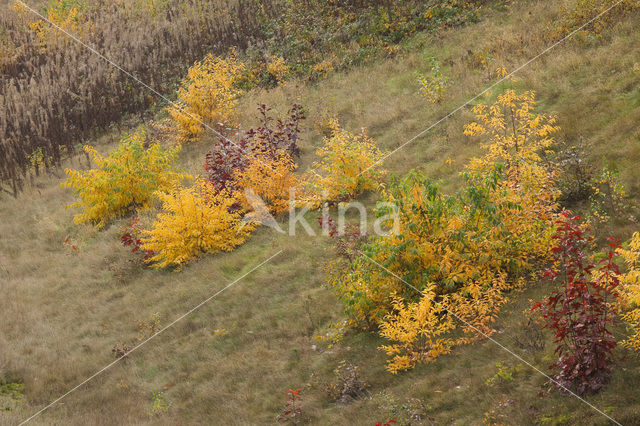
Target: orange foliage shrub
point(270, 177)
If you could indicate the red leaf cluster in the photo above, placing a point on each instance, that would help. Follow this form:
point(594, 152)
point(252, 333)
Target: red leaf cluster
point(293, 407)
point(347, 241)
point(130, 238)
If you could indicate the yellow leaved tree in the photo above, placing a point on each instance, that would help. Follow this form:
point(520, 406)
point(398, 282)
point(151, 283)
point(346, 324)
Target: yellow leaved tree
point(208, 95)
point(194, 221)
point(517, 139)
point(124, 180)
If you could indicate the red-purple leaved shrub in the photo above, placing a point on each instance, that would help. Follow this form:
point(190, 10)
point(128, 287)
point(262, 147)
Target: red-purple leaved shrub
point(225, 159)
point(293, 409)
point(271, 138)
point(579, 310)
point(278, 133)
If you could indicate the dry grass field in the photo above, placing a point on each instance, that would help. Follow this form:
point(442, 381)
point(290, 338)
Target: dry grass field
point(230, 362)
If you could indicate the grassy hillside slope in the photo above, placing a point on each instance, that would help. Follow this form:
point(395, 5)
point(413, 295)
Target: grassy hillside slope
point(230, 362)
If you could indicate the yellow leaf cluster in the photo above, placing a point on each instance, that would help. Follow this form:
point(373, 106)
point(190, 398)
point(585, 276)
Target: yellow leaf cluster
point(433, 85)
point(419, 332)
point(518, 139)
point(608, 197)
point(478, 303)
point(208, 95)
point(630, 291)
point(124, 180)
point(349, 165)
point(193, 221)
point(278, 69)
point(324, 67)
point(515, 133)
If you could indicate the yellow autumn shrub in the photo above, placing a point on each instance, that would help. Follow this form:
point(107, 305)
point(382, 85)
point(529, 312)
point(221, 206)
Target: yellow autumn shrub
point(517, 139)
point(433, 84)
point(349, 165)
point(277, 69)
point(124, 180)
point(207, 95)
point(458, 243)
point(630, 291)
point(194, 221)
point(471, 247)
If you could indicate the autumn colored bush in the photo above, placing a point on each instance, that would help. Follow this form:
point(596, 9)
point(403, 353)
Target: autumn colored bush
point(67, 14)
point(607, 198)
point(579, 311)
point(418, 330)
point(225, 159)
point(265, 72)
point(262, 163)
point(461, 251)
point(519, 140)
point(194, 221)
point(292, 411)
point(207, 95)
point(434, 83)
point(273, 138)
point(124, 180)
point(270, 177)
point(275, 134)
point(346, 240)
point(458, 244)
point(131, 237)
point(349, 165)
point(630, 291)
